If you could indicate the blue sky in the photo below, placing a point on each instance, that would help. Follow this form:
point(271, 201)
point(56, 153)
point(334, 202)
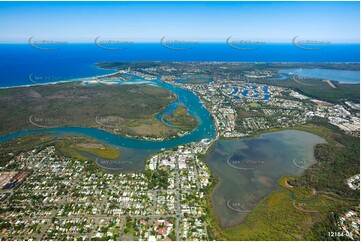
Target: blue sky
point(203, 21)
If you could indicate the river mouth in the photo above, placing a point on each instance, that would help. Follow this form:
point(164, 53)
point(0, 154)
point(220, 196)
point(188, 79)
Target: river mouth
point(136, 151)
point(249, 169)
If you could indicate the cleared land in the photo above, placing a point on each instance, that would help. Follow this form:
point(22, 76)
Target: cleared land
point(125, 110)
point(70, 146)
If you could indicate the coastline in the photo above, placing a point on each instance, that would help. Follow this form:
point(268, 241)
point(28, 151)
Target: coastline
point(136, 138)
point(308, 127)
point(80, 79)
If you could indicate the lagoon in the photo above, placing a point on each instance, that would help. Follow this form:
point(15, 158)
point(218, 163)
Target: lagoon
point(249, 169)
point(342, 76)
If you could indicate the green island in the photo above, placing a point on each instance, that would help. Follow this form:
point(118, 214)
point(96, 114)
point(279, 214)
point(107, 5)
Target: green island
point(181, 119)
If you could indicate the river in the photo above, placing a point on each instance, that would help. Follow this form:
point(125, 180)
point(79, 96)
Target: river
point(142, 148)
point(248, 169)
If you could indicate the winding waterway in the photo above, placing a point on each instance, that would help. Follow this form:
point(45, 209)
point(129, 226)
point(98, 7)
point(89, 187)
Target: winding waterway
point(205, 129)
point(248, 169)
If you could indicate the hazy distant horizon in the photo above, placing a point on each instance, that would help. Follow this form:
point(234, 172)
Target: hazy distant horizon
point(337, 22)
point(158, 41)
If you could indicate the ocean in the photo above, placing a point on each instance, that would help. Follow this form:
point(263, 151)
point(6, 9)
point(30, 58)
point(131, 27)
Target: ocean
point(71, 61)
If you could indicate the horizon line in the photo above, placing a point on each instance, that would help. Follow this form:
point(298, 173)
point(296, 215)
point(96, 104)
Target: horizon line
point(192, 42)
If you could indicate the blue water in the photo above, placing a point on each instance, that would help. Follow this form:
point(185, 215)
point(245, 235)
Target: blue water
point(113, 139)
point(187, 98)
point(72, 61)
point(266, 97)
point(235, 90)
point(272, 153)
point(18, 61)
point(265, 89)
point(342, 76)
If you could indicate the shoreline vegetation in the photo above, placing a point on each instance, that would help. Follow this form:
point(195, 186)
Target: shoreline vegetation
point(281, 206)
point(256, 226)
point(132, 113)
point(297, 200)
point(72, 146)
point(181, 119)
point(309, 127)
point(311, 87)
point(67, 145)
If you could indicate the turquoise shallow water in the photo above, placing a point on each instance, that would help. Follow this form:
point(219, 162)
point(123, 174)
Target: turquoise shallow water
point(249, 169)
point(187, 98)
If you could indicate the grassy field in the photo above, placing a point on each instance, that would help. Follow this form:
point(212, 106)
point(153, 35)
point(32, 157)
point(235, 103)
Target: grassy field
point(67, 146)
point(71, 145)
point(125, 110)
point(181, 119)
point(254, 105)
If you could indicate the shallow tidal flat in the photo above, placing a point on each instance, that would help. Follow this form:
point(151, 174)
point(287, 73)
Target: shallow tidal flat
point(249, 169)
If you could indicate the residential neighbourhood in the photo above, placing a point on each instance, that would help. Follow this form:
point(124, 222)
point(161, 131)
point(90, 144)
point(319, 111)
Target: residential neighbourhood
point(242, 108)
point(65, 199)
point(350, 225)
